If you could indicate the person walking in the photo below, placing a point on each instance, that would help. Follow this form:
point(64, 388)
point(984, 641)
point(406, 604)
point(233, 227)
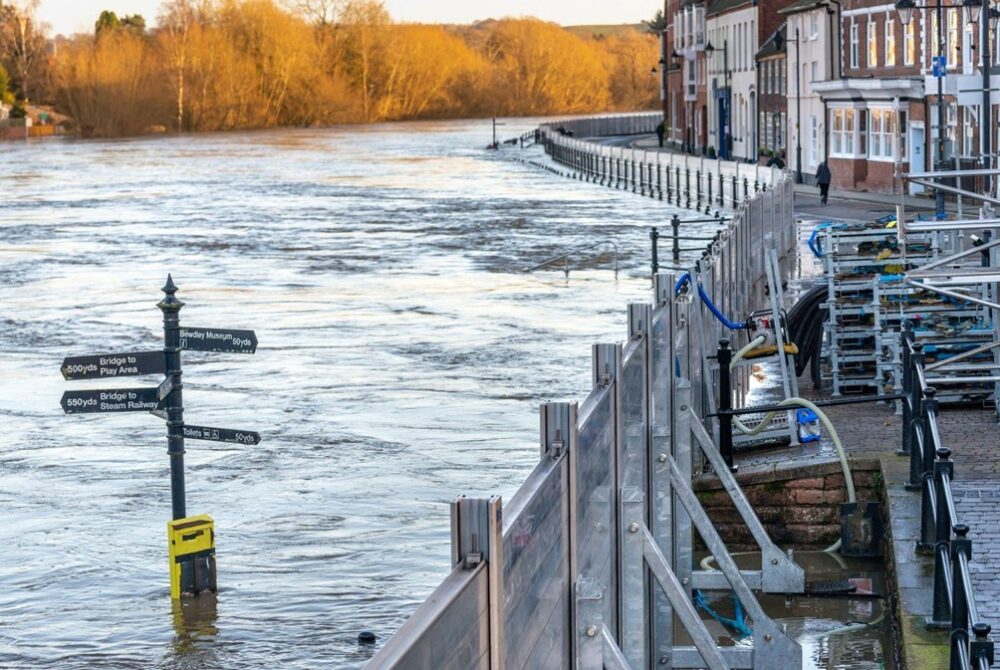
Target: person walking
point(823, 178)
point(660, 130)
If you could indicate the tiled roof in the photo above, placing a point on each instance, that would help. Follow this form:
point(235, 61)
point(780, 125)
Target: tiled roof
point(801, 6)
point(720, 6)
point(770, 46)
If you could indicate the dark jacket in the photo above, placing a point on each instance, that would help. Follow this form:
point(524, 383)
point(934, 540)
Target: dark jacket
point(823, 175)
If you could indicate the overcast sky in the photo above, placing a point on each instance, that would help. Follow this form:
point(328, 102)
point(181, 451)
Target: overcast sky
point(69, 16)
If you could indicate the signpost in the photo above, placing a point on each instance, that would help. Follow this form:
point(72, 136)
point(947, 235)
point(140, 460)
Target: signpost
point(192, 552)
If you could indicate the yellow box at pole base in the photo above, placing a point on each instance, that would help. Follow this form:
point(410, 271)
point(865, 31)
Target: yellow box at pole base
point(191, 541)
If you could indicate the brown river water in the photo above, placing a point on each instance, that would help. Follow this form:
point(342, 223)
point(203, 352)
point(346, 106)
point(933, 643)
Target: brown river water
point(403, 353)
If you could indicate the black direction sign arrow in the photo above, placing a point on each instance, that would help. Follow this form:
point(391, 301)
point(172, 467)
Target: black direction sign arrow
point(221, 434)
point(219, 339)
point(114, 365)
point(142, 399)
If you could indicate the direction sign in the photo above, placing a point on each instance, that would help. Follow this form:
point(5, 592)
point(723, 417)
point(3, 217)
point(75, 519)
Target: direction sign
point(221, 435)
point(141, 399)
point(165, 387)
point(114, 365)
point(219, 339)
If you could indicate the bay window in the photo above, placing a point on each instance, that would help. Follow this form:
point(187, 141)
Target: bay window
point(881, 134)
point(844, 132)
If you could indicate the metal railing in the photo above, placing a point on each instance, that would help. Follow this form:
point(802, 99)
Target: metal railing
point(596, 546)
point(932, 472)
point(698, 183)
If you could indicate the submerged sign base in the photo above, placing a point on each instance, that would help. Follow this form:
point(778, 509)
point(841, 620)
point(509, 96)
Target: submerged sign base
point(192, 555)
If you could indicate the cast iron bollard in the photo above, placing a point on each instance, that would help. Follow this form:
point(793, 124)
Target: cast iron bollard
point(961, 546)
point(654, 237)
point(675, 250)
point(734, 191)
point(981, 648)
point(929, 409)
point(941, 603)
point(904, 347)
point(724, 358)
point(709, 198)
point(916, 419)
point(746, 188)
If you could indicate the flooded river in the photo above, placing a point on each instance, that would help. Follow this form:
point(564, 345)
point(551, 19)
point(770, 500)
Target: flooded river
point(403, 353)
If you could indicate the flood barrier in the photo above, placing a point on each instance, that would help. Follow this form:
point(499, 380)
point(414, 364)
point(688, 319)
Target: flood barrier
point(590, 562)
point(693, 182)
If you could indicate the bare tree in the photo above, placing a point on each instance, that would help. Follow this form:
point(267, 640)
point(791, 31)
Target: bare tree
point(176, 21)
point(22, 43)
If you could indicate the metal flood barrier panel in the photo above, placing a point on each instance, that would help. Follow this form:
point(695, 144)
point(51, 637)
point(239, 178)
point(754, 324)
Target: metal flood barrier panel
point(612, 470)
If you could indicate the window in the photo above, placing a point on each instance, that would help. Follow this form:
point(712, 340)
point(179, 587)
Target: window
point(967, 49)
point(890, 42)
point(909, 44)
point(805, 77)
point(968, 147)
point(780, 130)
point(815, 72)
point(813, 140)
point(952, 43)
point(872, 44)
point(854, 44)
point(843, 132)
point(882, 134)
point(932, 44)
point(813, 26)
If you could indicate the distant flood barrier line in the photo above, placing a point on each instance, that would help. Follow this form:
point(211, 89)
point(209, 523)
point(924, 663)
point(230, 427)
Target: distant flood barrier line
point(693, 182)
point(590, 562)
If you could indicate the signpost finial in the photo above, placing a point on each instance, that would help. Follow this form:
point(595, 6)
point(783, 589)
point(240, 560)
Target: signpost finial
point(170, 301)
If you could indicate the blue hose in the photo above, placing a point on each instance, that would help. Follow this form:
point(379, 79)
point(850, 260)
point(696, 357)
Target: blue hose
point(731, 325)
point(737, 623)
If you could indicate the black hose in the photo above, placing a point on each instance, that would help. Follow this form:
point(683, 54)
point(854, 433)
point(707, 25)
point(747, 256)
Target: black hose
point(805, 328)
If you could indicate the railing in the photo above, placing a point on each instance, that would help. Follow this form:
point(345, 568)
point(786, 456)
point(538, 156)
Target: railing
point(931, 472)
point(591, 559)
point(565, 256)
point(685, 181)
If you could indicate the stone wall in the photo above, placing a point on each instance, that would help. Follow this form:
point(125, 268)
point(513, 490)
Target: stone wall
point(799, 505)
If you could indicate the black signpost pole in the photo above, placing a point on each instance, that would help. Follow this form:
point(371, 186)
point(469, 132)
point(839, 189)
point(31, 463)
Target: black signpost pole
point(173, 403)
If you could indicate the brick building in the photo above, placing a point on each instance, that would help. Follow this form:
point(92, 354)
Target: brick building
point(689, 95)
point(772, 120)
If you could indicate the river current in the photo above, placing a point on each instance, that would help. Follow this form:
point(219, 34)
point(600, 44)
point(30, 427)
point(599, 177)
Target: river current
point(403, 353)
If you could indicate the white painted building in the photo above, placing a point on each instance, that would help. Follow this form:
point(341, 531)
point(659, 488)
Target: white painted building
point(731, 28)
point(812, 56)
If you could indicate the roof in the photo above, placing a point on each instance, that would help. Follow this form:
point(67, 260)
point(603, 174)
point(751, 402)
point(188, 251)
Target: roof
point(770, 46)
point(802, 6)
point(720, 6)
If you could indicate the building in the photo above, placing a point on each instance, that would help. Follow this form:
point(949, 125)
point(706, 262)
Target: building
point(876, 112)
point(772, 115)
point(812, 42)
point(689, 96)
point(732, 80)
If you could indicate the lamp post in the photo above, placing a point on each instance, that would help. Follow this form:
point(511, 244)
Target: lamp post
point(727, 108)
point(975, 11)
point(905, 9)
point(980, 11)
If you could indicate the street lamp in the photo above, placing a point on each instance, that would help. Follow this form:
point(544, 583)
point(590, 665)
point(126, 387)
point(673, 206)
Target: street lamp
point(727, 107)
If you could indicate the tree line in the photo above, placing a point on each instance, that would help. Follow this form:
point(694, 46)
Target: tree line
point(227, 64)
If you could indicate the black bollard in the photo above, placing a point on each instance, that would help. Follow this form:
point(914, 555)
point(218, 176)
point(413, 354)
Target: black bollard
point(675, 225)
point(654, 237)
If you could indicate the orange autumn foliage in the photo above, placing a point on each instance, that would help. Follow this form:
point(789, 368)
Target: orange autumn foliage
point(225, 64)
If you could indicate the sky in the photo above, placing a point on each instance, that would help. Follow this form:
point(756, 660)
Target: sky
point(69, 16)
